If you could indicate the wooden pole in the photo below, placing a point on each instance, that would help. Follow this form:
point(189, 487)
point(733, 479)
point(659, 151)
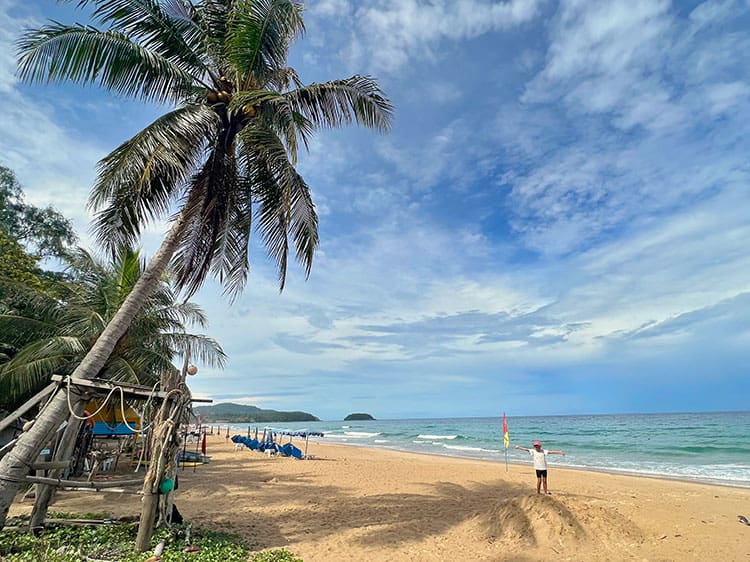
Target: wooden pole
point(60, 483)
point(31, 402)
point(60, 462)
point(165, 441)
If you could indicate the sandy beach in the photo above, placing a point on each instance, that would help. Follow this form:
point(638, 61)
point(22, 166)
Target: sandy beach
point(353, 503)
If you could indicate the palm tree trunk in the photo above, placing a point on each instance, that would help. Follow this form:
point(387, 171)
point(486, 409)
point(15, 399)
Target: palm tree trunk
point(15, 465)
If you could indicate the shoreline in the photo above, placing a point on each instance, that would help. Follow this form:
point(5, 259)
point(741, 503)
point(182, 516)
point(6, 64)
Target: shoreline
point(363, 503)
point(620, 472)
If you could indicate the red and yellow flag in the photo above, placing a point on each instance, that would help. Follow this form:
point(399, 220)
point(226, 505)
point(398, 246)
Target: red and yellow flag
point(506, 435)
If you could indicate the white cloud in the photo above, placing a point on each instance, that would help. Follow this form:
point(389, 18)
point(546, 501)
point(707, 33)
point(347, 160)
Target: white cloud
point(713, 12)
point(725, 96)
point(8, 35)
point(385, 35)
point(607, 57)
point(53, 165)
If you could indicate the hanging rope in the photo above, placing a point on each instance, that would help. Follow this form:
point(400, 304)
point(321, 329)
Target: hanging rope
point(122, 405)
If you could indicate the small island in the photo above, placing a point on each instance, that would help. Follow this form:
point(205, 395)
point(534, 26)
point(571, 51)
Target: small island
point(359, 417)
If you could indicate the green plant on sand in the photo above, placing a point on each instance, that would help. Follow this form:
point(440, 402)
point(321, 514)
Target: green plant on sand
point(115, 542)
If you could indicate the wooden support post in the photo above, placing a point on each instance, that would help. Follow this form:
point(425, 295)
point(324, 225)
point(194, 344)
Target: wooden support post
point(45, 495)
point(31, 402)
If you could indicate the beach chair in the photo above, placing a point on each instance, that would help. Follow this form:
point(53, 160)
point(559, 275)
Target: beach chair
point(290, 450)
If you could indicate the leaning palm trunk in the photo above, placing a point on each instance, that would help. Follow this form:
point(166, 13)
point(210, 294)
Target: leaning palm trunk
point(15, 465)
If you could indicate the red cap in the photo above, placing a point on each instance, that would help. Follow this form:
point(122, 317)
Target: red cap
point(537, 443)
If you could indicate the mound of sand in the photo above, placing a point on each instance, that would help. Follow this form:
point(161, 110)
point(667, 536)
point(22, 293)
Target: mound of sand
point(563, 522)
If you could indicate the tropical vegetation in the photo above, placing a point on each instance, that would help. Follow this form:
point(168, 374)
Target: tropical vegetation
point(220, 165)
point(42, 231)
point(48, 331)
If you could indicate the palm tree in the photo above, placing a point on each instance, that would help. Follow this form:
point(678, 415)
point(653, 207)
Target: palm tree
point(225, 156)
point(51, 330)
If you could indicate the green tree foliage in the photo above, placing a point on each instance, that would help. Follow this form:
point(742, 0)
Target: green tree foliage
point(359, 417)
point(16, 266)
point(49, 332)
point(41, 230)
point(115, 542)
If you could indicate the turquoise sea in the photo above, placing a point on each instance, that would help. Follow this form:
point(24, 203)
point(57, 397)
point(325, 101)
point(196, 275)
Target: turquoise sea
point(706, 447)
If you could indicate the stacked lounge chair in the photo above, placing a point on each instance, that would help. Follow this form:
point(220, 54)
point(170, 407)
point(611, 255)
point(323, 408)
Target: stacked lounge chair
point(268, 443)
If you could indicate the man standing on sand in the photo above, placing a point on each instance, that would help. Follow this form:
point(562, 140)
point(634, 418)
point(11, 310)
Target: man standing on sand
point(540, 463)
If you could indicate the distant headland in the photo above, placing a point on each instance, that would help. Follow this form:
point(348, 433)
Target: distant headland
point(240, 413)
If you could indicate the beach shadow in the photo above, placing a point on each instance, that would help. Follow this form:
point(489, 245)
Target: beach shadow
point(506, 513)
point(247, 487)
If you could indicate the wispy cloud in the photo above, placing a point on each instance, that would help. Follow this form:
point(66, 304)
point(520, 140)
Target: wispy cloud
point(385, 35)
point(45, 154)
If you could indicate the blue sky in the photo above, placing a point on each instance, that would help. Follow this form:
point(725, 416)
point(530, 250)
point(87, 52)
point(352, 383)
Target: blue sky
point(558, 222)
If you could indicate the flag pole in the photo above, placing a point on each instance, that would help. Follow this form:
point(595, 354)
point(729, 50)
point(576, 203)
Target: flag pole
point(506, 440)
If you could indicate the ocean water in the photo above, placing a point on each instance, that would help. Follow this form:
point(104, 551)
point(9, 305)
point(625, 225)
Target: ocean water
point(706, 447)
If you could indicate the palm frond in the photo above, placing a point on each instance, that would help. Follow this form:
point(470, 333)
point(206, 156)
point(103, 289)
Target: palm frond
point(230, 260)
point(281, 79)
point(138, 180)
point(259, 35)
point(86, 55)
point(18, 330)
point(32, 367)
point(118, 369)
point(212, 19)
point(276, 111)
point(191, 314)
point(285, 206)
point(214, 195)
point(168, 30)
point(332, 104)
point(201, 348)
